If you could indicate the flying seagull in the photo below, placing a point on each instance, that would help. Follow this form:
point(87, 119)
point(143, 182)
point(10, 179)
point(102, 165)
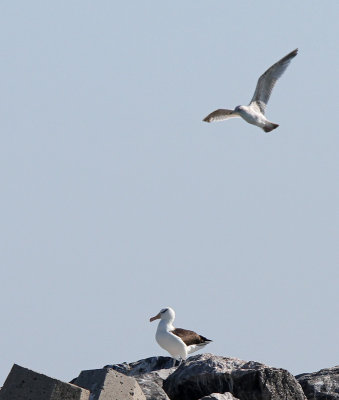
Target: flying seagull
point(254, 113)
point(178, 342)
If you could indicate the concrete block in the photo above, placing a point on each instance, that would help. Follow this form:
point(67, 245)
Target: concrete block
point(107, 384)
point(24, 384)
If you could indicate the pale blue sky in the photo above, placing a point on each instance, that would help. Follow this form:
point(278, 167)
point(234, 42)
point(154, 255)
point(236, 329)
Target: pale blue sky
point(117, 200)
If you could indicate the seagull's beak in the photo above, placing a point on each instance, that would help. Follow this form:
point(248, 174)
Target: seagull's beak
point(158, 316)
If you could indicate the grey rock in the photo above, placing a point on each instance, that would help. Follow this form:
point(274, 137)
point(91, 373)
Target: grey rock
point(204, 374)
point(24, 384)
point(321, 385)
point(151, 385)
point(150, 373)
point(107, 384)
point(143, 366)
point(220, 396)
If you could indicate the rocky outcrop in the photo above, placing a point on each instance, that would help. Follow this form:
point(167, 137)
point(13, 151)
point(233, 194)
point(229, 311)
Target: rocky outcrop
point(151, 385)
point(150, 373)
point(107, 384)
point(24, 384)
point(163, 366)
point(321, 385)
point(204, 374)
point(201, 377)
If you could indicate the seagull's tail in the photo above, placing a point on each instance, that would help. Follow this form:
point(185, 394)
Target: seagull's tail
point(270, 126)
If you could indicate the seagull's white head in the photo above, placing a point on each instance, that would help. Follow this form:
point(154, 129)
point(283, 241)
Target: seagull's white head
point(166, 314)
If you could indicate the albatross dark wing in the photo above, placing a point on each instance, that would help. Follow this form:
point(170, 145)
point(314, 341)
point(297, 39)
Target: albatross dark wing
point(190, 337)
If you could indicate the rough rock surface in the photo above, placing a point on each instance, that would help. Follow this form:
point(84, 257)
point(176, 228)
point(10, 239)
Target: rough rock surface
point(150, 373)
point(321, 385)
point(220, 396)
point(151, 385)
point(151, 364)
point(24, 384)
point(202, 377)
point(204, 374)
point(107, 384)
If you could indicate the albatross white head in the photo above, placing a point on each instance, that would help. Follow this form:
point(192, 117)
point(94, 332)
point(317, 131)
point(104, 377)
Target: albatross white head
point(166, 314)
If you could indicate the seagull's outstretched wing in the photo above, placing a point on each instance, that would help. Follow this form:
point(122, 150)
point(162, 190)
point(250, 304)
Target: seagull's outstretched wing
point(220, 115)
point(267, 81)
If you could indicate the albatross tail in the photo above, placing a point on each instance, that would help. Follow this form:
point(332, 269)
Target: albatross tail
point(270, 126)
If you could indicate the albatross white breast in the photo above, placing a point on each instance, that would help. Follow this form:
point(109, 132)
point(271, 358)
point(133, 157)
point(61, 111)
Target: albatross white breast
point(178, 342)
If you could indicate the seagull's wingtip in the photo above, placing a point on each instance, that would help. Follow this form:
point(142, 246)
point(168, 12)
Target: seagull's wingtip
point(294, 52)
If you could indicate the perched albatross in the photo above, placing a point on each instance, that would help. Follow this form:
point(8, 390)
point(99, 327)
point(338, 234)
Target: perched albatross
point(178, 342)
point(254, 113)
